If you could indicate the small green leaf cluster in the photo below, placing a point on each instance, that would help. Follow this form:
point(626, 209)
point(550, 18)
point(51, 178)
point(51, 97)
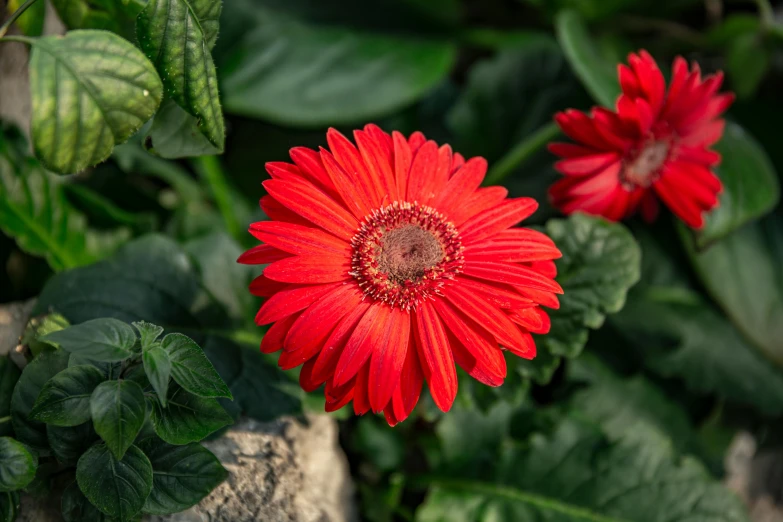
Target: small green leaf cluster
point(124, 405)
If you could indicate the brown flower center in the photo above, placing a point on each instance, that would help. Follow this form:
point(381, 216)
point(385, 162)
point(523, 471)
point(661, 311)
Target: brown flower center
point(404, 253)
point(644, 168)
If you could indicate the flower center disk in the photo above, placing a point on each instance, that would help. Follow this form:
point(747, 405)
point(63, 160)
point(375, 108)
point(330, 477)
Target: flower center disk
point(646, 166)
point(404, 253)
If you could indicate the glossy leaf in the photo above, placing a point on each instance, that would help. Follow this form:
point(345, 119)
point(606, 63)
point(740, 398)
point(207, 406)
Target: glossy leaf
point(187, 417)
point(76, 507)
point(181, 476)
point(111, 370)
point(191, 369)
point(17, 465)
point(9, 375)
point(118, 411)
point(175, 134)
point(105, 340)
point(65, 398)
point(597, 75)
point(117, 488)
point(91, 90)
point(35, 212)
point(157, 366)
point(69, 443)
point(34, 376)
point(178, 35)
point(750, 186)
point(273, 71)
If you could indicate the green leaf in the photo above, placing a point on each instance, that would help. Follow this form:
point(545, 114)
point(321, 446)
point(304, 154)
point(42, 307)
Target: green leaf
point(99, 14)
point(110, 370)
point(154, 279)
point(379, 445)
point(76, 507)
point(65, 398)
point(178, 35)
point(273, 71)
point(175, 134)
point(69, 443)
point(157, 366)
point(597, 75)
point(118, 410)
point(35, 212)
point(744, 274)
point(9, 375)
point(181, 476)
point(9, 506)
point(148, 333)
point(31, 23)
point(105, 340)
point(747, 63)
point(575, 474)
point(750, 186)
point(34, 376)
point(187, 418)
point(600, 262)
point(17, 465)
point(191, 369)
point(91, 90)
point(117, 488)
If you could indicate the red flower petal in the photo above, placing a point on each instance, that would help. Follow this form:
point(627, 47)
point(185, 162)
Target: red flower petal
point(498, 218)
point(388, 359)
point(261, 255)
point(435, 353)
point(309, 270)
point(299, 240)
point(366, 338)
point(513, 274)
point(293, 299)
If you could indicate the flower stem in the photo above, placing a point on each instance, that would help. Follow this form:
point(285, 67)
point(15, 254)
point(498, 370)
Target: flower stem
point(520, 153)
point(766, 12)
point(19, 12)
point(210, 170)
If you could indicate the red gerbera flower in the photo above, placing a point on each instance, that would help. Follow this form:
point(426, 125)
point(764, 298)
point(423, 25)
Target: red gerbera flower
point(657, 143)
point(388, 263)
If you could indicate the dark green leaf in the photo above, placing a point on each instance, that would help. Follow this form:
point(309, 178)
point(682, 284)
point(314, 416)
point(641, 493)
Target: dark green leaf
point(118, 410)
point(9, 375)
point(31, 23)
point(157, 366)
point(35, 212)
point(9, 506)
point(750, 186)
point(117, 488)
point(178, 35)
point(577, 475)
point(600, 262)
point(69, 443)
point(105, 340)
point(109, 369)
point(148, 333)
point(65, 398)
point(91, 90)
point(747, 62)
point(191, 369)
point(188, 418)
point(181, 476)
point(136, 374)
point(273, 71)
point(383, 447)
point(175, 134)
point(76, 507)
point(17, 465)
point(99, 14)
point(34, 376)
point(597, 75)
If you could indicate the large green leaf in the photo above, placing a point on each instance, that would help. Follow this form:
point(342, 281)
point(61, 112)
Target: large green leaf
point(600, 262)
point(69, 443)
point(118, 411)
point(597, 74)
point(157, 366)
point(111, 15)
point(153, 279)
point(744, 274)
point(750, 186)
point(191, 369)
point(9, 375)
point(35, 212)
point(76, 507)
point(576, 474)
point(65, 398)
point(118, 488)
point(181, 476)
point(293, 72)
point(34, 376)
point(104, 340)
point(187, 418)
point(175, 134)
point(91, 90)
point(17, 465)
point(178, 36)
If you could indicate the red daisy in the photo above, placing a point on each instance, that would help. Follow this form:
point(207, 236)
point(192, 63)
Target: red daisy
point(656, 144)
point(388, 263)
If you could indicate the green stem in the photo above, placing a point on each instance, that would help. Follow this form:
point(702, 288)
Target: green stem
point(15, 16)
point(210, 169)
point(766, 12)
point(521, 152)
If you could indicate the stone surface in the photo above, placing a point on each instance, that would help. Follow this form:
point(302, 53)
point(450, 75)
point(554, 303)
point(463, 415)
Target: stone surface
point(13, 318)
point(757, 476)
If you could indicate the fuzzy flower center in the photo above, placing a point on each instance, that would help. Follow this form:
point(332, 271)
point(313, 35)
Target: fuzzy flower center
point(645, 167)
point(404, 253)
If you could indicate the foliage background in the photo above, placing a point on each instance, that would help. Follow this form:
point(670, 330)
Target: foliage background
point(692, 356)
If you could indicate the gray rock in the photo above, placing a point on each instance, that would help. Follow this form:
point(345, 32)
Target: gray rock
point(13, 319)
